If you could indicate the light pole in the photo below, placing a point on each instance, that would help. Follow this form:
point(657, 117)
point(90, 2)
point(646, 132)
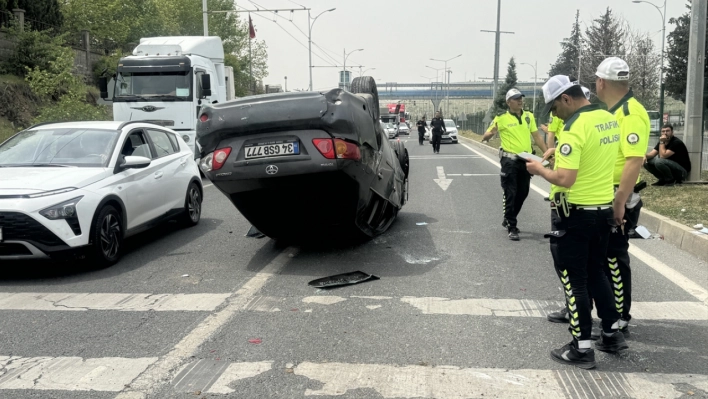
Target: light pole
point(580, 55)
point(437, 72)
point(448, 77)
point(309, 36)
point(365, 71)
point(663, 39)
point(535, 76)
point(344, 75)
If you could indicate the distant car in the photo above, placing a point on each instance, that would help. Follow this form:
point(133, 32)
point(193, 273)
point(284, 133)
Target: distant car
point(68, 188)
point(306, 165)
point(390, 130)
point(450, 136)
point(404, 129)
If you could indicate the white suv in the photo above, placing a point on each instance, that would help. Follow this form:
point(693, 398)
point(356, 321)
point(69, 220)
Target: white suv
point(82, 186)
point(450, 136)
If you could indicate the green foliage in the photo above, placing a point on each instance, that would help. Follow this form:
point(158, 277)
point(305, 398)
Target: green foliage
point(605, 37)
point(567, 61)
point(107, 65)
point(509, 83)
point(44, 13)
point(56, 82)
point(34, 50)
point(677, 57)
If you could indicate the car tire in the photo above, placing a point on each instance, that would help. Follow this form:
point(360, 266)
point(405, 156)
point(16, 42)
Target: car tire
point(367, 85)
point(106, 237)
point(192, 206)
point(403, 158)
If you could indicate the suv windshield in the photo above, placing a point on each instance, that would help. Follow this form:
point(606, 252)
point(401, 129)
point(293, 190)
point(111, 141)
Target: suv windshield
point(59, 147)
point(153, 84)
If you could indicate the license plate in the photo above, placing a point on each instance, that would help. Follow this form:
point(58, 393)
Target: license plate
point(272, 150)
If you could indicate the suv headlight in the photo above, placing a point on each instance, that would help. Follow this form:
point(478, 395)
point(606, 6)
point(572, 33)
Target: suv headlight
point(64, 210)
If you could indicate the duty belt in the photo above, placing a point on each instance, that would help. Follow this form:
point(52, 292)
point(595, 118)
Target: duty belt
point(504, 154)
point(590, 207)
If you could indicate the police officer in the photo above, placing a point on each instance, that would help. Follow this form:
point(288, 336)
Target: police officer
point(437, 126)
point(422, 125)
point(613, 89)
point(555, 125)
point(582, 199)
point(515, 128)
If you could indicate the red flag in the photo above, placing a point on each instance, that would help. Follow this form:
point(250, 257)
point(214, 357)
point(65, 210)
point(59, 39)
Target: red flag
point(251, 29)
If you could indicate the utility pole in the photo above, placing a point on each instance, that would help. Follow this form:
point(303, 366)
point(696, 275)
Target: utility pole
point(693, 137)
point(309, 36)
point(205, 18)
point(286, 84)
point(535, 78)
point(497, 38)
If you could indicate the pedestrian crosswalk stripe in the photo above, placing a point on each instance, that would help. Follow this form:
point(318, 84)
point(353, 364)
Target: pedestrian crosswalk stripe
point(110, 301)
point(477, 306)
point(109, 374)
point(444, 382)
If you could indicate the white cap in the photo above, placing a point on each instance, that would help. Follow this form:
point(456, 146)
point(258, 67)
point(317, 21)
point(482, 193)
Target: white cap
point(613, 68)
point(553, 88)
point(514, 93)
point(587, 92)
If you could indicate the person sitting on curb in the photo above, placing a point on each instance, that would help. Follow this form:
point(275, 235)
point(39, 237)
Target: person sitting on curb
point(672, 165)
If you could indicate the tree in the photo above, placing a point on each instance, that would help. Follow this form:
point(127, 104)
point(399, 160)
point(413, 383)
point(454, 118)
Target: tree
point(567, 61)
point(509, 83)
point(39, 14)
point(676, 70)
point(604, 38)
point(644, 66)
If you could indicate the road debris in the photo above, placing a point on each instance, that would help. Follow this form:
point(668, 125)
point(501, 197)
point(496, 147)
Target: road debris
point(342, 279)
point(253, 232)
point(185, 275)
point(255, 341)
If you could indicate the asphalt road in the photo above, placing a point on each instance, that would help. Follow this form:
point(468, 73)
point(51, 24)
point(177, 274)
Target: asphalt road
point(458, 311)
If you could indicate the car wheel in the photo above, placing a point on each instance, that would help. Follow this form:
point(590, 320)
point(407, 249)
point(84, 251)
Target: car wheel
point(367, 85)
point(192, 206)
point(107, 237)
point(403, 158)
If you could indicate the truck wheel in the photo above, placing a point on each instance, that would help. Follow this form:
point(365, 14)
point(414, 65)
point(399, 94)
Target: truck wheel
point(367, 85)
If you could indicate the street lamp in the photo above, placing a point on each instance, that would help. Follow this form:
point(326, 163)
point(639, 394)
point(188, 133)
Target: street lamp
point(448, 77)
point(346, 55)
point(437, 71)
point(663, 39)
point(580, 55)
point(309, 36)
point(365, 71)
point(535, 76)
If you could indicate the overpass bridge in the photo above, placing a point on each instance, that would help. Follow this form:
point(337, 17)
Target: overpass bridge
point(426, 91)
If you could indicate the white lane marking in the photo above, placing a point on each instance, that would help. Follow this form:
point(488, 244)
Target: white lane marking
point(238, 371)
point(70, 373)
point(106, 301)
point(373, 307)
point(677, 278)
point(443, 382)
point(161, 371)
point(687, 311)
point(531, 308)
point(323, 300)
point(442, 181)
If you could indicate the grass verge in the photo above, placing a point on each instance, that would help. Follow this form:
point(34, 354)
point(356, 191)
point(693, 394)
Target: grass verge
point(684, 203)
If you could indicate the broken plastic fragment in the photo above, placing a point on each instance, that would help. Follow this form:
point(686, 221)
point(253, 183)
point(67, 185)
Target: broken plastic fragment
point(185, 275)
point(255, 341)
point(642, 231)
point(698, 226)
point(421, 224)
point(254, 233)
point(342, 279)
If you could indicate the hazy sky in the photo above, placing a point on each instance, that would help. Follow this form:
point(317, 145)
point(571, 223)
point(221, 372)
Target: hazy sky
point(400, 37)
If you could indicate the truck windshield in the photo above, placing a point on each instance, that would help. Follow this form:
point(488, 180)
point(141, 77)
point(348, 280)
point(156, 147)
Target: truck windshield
point(176, 86)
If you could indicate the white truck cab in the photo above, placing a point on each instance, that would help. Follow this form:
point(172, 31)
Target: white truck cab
point(166, 81)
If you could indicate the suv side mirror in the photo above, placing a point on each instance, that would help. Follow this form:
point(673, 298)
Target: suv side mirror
point(103, 86)
point(206, 85)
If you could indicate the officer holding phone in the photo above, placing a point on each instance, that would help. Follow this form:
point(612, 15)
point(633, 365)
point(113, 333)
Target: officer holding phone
point(582, 216)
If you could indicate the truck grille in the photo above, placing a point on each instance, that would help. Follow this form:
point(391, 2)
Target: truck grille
point(20, 227)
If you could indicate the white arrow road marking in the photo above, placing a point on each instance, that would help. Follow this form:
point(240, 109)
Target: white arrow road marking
point(442, 181)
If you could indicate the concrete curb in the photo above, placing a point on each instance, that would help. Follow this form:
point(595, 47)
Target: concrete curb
point(673, 232)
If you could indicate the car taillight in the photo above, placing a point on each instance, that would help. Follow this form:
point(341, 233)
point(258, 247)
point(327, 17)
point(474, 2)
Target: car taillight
point(204, 118)
point(220, 156)
point(347, 150)
point(325, 147)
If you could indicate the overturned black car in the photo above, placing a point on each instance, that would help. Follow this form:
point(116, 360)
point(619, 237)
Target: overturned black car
point(306, 165)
